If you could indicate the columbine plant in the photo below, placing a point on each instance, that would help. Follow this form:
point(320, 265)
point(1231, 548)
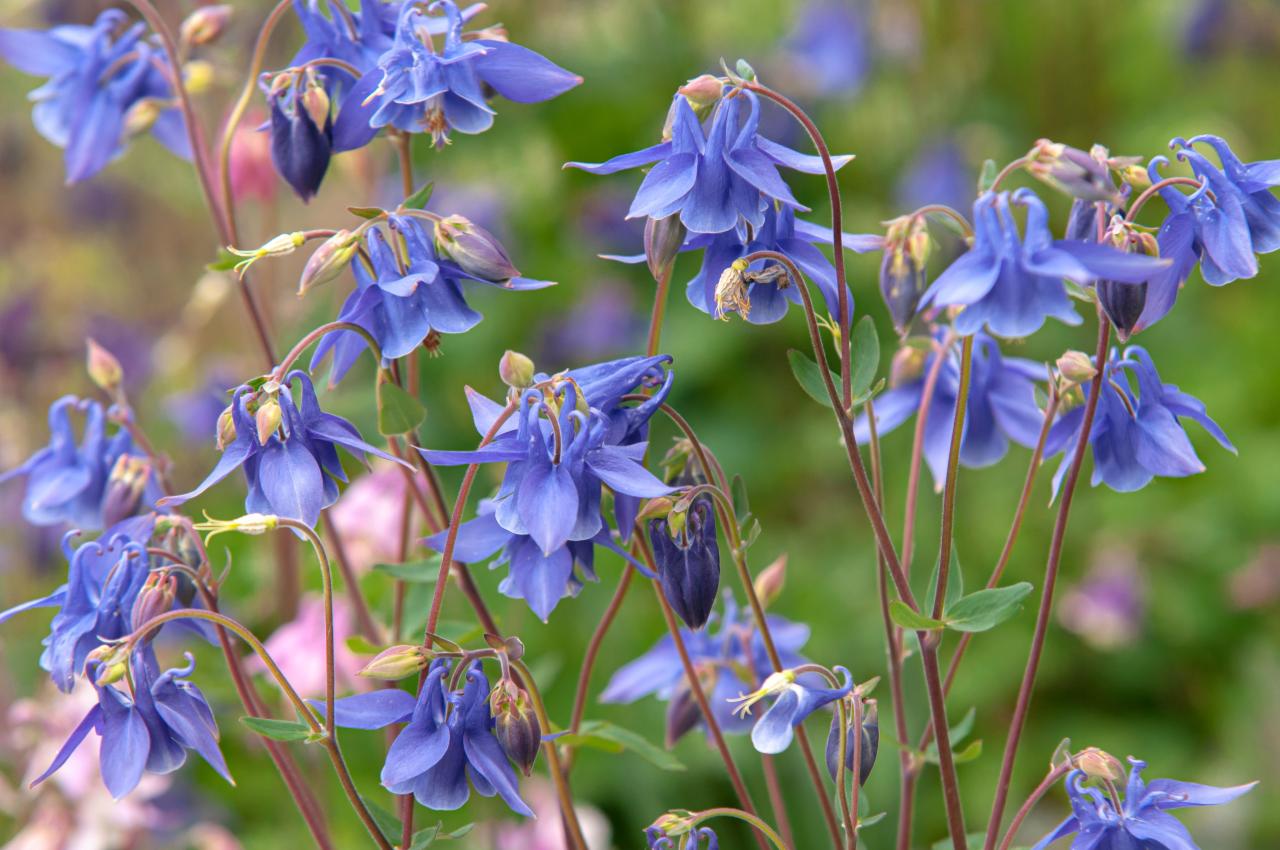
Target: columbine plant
point(573, 445)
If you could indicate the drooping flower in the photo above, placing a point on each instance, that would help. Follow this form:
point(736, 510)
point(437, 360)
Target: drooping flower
point(104, 86)
point(796, 700)
point(1138, 435)
point(660, 837)
point(401, 301)
point(1002, 405)
point(714, 176)
point(294, 470)
point(418, 86)
point(870, 745)
point(721, 658)
point(301, 129)
point(559, 455)
point(149, 729)
point(1010, 283)
point(1142, 819)
point(689, 562)
point(447, 738)
point(91, 485)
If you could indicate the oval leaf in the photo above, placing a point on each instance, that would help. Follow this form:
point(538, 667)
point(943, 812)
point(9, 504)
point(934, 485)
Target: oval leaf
point(902, 614)
point(278, 730)
point(866, 355)
point(809, 377)
point(398, 411)
point(986, 609)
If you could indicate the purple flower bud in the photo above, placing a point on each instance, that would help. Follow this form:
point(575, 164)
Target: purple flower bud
point(125, 486)
point(157, 596)
point(902, 271)
point(300, 144)
point(1124, 302)
point(516, 724)
point(662, 240)
point(683, 712)
point(329, 260)
point(1084, 175)
point(689, 564)
point(870, 745)
point(476, 251)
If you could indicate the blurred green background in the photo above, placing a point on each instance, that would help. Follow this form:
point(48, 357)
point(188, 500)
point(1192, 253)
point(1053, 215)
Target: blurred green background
point(1185, 673)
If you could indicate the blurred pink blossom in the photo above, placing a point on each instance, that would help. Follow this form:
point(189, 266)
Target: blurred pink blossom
point(1106, 607)
point(546, 832)
point(368, 517)
point(252, 174)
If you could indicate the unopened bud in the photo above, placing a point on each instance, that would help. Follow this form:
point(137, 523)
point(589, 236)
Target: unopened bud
point(907, 365)
point(683, 713)
point(155, 598)
point(769, 584)
point(142, 115)
point(1084, 175)
point(205, 25)
point(329, 260)
point(1122, 301)
point(1136, 176)
point(125, 486)
point(112, 660)
point(516, 370)
point(226, 428)
point(1076, 367)
point(702, 93)
point(104, 369)
point(731, 291)
point(396, 662)
point(870, 745)
point(656, 508)
point(1099, 764)
point(476, 251)
point(662, 240)
point(516, 724)
point(315, 100)
point(268, 419)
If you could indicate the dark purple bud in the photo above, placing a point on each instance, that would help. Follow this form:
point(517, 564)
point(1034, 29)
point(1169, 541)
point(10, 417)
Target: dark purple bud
point(516, 724)
point(1124, 302)
point(156, 597)
point(476, 251)
point(683, 711)
point(902, 271)
point(662, 240)
point(689, 563)
point(300, 147)
point(125, 485)
point(870, 745)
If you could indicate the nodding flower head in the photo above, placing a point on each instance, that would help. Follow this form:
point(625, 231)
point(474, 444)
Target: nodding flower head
point(795, 701)
point(689, 562)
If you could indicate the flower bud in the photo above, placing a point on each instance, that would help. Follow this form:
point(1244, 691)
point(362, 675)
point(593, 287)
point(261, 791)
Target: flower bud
point(268, 419)
point(702, 93)
point(1124, 302)
point(1099, 764)
point(768, 585)
point(1086, 176)
point(907, 365)
point(315, 100)
point(226, 428)
point(104, 369)
point(689, 562)
point(396, 662)
point(662, 240)
point(476, 251)
point(683, 712)
point(516, 724)
point(112, 660)
point(1076, 367)
point(656, 508)
point(329, 260)
point(156, 597)
point(142, 115)
point(870, 745)
point(205, 25)
point(125, 486)
point(516, 370)
point(902, 271)
point(731, 291)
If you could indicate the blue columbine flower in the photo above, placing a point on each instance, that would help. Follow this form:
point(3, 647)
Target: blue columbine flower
point(559, 455)
point(829, 48)
point(148, 729)
point(1010, 284)
point(870, 745)
point(722, 658)
point(796, 700)
point(400, 303)
point(1142, 820)
point(1139, 435)
point(701, 838)
point(716, 176)
point(420, 87)
point(295, 472)
point(447, 737)
point(95, 78)
point(80, 485)
point(689, 562)
point(301, 128)
point(1001, 406)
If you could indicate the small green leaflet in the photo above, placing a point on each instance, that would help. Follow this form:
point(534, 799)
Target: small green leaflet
point(986, 609)
point(418, 200)
point(902, 614)
point(398, 411)
point(809, 377)
point(388, 824)
point(603, 735)
point(278, 730)
point(866, 356)
point(985, 182)
point(424, 838)
point(426, 571)
point(741, 506)
point(367, 212)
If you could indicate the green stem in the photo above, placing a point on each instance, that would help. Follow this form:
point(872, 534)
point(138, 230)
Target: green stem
point(746, 817)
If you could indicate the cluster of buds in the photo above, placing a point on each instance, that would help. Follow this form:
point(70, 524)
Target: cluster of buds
point(1086, 175)
point(263, 405)
point(112, 660)
point(476, 251)
point(516, 723)
point(902, 271)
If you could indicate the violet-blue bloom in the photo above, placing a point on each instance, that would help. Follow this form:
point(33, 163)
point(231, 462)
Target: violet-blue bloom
point(95, 77)
point(796, 700)
point(702, 838)
point(1138, 435)
point(829, 48)
point(447, 738)
point(689, 563)
point(73, 484)
point(1010, 283)
point(296, 472)
point(721, 654)
point(558, 456)
point(1001, 407)
point(1143, 819)
point(713, 178)
point(301, 132)
point(148, 730)
point(418, 86)
point(399, 304)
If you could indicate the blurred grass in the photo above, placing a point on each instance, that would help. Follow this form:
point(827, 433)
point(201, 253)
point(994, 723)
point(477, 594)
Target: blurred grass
point(1197, 695)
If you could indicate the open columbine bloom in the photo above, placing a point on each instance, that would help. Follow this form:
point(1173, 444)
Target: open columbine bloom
point(1142, 819)
point(1010, 283)
point(1001, 407)
point(447, 738)
point(147, 729)
point(95, 80)
point(400, 303)
point(715, 176)
point(795, 701)
point(90, 485)
point(294, 470)
point(1136, 435)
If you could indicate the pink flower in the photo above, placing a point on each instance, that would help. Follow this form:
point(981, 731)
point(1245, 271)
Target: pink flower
point(252, 175)
point(368, 516)
point(298, 648)
point(545, 832)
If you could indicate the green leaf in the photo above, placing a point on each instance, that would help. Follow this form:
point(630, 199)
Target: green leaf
point(418, 200)
point(738, 491)
point(901, 614)
point(603, 735)
point(866, 355)
point(986, 609)
point(426, 571)
point(810, 377)
point(969, 753)
point(424, 838)
point(366, 212)
point(361, 645)
point(974, 839)
point(871, 820)
point(985, 181)
point(278, 730)
point(746, 71)
point(955, 585)
point(398, 411)
point(752, 534)
point(225, 262)
point(962, 729)
point(388, 824)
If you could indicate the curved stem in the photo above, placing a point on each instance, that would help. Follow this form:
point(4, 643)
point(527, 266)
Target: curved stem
point(573, 829)
point(1147, 193)
point(326, 328)
point(1020, 162)
point(917, 446)
point(1046, 596)
point(943, 209)
point(745, 817)
point(593, 647)
point(1050, 778)
point(777, 802)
